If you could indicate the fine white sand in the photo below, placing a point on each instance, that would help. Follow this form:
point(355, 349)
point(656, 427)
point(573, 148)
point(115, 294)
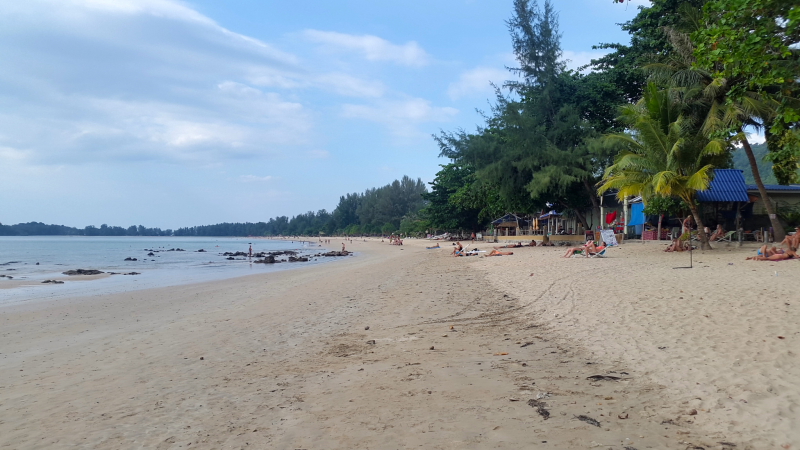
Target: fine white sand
point(461, 348)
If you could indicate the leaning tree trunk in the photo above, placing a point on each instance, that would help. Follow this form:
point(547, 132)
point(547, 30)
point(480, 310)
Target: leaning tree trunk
point(701, 229)
point(778, 231)
point(593, 198)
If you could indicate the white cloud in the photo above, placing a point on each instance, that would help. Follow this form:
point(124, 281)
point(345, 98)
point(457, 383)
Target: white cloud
point(373, 48)
point(477, 82)
point(255, 179)
point(402, 117)
point(576, 60)
point(102, 80)
point(756, 138)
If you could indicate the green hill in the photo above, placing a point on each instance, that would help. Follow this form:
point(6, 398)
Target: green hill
point(764, 167)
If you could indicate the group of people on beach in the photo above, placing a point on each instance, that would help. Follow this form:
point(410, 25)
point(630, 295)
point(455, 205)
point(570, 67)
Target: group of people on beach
point(766, 253)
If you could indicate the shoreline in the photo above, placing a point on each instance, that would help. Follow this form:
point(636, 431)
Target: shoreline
point(148, 272)
point(288, 362)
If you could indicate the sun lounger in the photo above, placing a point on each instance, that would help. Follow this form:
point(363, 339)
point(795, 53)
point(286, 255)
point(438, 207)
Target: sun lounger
point(600, 254)
point(728, 237)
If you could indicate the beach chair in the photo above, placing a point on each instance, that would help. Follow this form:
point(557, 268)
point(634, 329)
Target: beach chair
point(600, 254)
point(728, 237)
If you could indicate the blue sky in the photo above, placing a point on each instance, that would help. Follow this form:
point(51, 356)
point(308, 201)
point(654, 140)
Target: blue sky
point(176, 113)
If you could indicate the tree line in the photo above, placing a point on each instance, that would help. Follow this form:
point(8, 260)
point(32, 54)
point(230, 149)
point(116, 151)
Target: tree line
point(652, 118)
point(41, 229)
point(393, 208)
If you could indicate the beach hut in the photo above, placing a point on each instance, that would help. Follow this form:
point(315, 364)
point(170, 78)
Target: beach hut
point(510, 225)
point(549, 221)
point(723, 201)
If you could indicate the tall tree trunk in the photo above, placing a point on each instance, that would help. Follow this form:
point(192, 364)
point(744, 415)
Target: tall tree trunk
point(593, 198)
point(701, 229)
point(778, 231)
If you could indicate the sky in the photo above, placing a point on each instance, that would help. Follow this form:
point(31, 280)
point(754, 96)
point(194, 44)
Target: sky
point(173, 113)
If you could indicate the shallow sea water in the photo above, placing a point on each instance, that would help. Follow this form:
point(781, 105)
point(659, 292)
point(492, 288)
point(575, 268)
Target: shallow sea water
point(57, 254)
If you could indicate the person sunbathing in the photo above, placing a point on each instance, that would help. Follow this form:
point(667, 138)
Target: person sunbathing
point(781, 256)
point(592, 248)
point(718, 233)
point(457, 249)
point(435, 246)
point(588, 246)
point(497, 252)
point(765, 252)
point(517, 245)
point(532, 244)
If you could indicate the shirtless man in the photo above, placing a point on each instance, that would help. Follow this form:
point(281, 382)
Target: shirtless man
point(792, 241)
point(497, 252)
point(457, 249)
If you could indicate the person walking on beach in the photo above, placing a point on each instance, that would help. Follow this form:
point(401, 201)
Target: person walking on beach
point(250, 252)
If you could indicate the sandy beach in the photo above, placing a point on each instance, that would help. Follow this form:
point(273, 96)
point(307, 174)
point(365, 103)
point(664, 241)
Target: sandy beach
point(403, 347)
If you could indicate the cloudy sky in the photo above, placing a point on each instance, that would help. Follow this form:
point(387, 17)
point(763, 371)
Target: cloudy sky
point(171, 113)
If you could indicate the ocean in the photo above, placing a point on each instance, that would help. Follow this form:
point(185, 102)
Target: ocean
point(19, 256)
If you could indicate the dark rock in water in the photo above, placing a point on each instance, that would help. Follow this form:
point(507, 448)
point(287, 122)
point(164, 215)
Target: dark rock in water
point(83, 272)
point(132, 273)
point(201, 251)
point(267, 260)
point(53, 281)
point(230, 258)
point(151, 254)
point(130, 259)
point(298, 259)
point(336, 253)
point(37, 263)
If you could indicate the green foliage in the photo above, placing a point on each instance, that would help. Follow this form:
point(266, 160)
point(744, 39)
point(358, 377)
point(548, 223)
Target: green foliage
point(790, 215)
point(537, 147)
point(455, 202)
point(740, 162)
point(659, 204)
point(752, 43)
point(665, 155)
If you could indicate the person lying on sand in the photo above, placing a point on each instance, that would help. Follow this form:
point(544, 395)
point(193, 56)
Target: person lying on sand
point(766, 251)
point(517, 245)
point(497, 252)
point(435, 246)
point(788, 254)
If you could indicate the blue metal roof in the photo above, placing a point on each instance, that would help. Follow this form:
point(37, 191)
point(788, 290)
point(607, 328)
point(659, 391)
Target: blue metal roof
point(727, 186)
point(549, 214)
point(775, 187)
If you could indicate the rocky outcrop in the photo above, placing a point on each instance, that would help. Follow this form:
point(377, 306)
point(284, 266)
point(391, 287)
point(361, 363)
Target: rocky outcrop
point(52, 282)
point(335, 253)
point(83, 272)
point(130, 259)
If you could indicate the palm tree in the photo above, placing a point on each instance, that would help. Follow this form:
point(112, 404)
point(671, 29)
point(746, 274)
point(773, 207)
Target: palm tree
point(710, 100)
point(663, 155)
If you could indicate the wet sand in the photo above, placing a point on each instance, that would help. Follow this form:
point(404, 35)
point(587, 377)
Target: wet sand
point(459, 353)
